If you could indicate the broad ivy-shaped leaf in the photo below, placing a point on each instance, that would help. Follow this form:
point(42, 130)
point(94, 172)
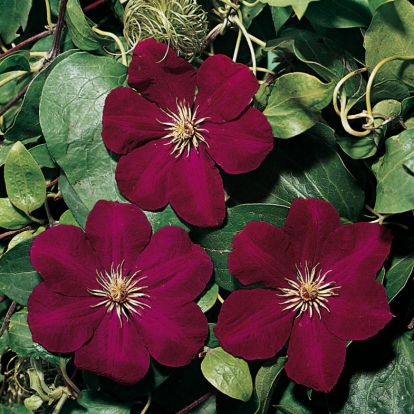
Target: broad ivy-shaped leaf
point(15, 61)
point(395, 175)
point(340, 14)
point(25, 183)
point(230, 375)
point(391, 33)
point(71, 119)
point(295, 102)
point(17, 276)
point(14, 14)
point(299, 6)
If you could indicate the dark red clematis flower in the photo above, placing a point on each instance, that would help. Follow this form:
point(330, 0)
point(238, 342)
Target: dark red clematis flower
point(322, 291)
point(177, 124)
point(115, 295)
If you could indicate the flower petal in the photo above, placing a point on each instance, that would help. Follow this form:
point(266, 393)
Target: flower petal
point(195, 190)
point(61, 323)
point(262, 254)
point(316, 357)
point(66, 260)
point(129, 120)
point(225, 89)
point(308, 224)
point(174, 267)
point(241, 145)
point(160, 75)
point(355, 251)
point(118, 233)
point(174, 334)
point(252, 324)
point(142, 175)
point(359, 311)
point(114, 352)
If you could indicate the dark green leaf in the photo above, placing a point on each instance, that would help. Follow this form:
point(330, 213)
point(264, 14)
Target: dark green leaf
point(14, 14)
point(17, 276)
point(265, 382)
point(67, 218)
point(228, 374)
point(27, 125)
point(42, 156)
point(295, 102)
point(280, 15)
point(308, 166)
point(80, 31)
point(299, 6)
point(388, 389)
point(71, 119)
point(15, 61)
point(388, 34)
point(25, 183)
point(164, 217)
point(14, 409)
point(395, 175)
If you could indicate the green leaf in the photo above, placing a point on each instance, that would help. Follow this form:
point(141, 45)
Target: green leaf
point(308, 166)
point(208, 298)
point(399, 266)
point(67, 218)
point(164, 217)
point(299, 6)
point(17, 276)
point(80, 31)
point(15, 61)
point(395, 175)
point(391, 26)
point(218, 242)
point(14, 15)
point(265, 382)
point(11, 218)
point(388, 389)
point(97, 402)
point(250, 13)
point(42, 156)
point(26, 125)
point(25, 183)
point(228, 374)
point(14, 409)
point(340, 13)
point(295, 102)
point(71, 118)
point(280, 15)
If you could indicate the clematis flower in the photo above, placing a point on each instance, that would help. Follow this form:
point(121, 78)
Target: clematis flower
point(322, 291)
point(115, 295)
point(173, 137)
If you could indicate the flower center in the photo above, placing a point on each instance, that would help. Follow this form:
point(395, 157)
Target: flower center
point(309, 292)
point(184, 129)
point(120, 292)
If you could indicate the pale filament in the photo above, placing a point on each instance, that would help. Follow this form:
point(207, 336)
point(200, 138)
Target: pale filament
point(309, 292)
point(184, 129)
point(120, 292)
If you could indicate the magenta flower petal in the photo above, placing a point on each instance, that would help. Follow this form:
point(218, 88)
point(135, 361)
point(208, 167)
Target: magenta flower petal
point(225, 89)
point(61, 323)
point(308, 224)
point(241, 145)
point(252, 324)
point(310, 364)
point(110, 305)
point(123, 237)
point(256, 258)
point(115, 352)
point(369, 313)
point(160, 75)
point(329, 290)
point(65, 251)
point(142, 175)
point(356, 249)
point(175, 268)
point(184, 329)
point(195, 190)
point(129, 121)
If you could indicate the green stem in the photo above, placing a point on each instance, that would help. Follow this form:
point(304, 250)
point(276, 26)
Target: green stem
point(60, 403)
point(147, 405)
point(117, 41)
point(48, 15)
point(68, 381)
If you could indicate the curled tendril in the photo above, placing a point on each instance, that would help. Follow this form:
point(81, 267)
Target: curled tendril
point(342, 110)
